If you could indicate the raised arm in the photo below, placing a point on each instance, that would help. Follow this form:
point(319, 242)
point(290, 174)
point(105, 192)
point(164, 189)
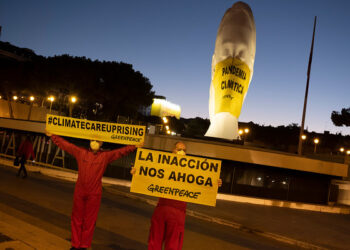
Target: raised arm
point(118, 153)
point(66, 146)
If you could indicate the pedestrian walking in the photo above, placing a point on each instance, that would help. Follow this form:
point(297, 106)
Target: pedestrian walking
point(25, 151)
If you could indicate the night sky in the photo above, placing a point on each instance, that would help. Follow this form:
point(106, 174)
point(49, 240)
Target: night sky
point(172, 42)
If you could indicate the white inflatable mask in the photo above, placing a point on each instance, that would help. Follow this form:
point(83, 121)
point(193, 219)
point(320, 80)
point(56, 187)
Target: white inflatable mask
point(232, 70)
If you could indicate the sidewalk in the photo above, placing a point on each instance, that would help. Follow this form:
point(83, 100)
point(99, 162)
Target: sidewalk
point(306, 229)
point(19, 235)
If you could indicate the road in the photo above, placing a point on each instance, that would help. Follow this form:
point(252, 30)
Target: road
point(123, 223)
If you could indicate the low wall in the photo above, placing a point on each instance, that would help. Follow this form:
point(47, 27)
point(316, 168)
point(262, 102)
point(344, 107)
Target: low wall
point(21, 111)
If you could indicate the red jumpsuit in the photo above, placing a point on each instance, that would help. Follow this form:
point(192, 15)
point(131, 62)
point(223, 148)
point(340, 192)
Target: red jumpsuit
point(26, 150)
point(88, 188)
point(167, 225)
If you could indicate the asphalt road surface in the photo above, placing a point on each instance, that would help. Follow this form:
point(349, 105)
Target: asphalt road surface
point(123, 223)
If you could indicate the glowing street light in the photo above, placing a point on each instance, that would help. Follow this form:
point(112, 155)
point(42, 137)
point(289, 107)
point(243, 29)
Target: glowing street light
point(246, 130)
point(348, 152)
point(51, 99)
point(15, 97)
point(165, 120)
point(342, 149)
point(240, 132)
point(167, 127)
point(31, 98)
point(73, 99)
point(168, 132)
point(303, 138)
point(316, 141)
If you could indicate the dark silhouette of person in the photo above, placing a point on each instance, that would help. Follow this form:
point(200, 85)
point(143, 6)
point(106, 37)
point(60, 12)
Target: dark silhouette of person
point(25, 151)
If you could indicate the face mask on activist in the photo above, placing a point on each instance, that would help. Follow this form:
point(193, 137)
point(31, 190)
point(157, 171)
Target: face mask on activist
point(94, 145)
point(180, 152)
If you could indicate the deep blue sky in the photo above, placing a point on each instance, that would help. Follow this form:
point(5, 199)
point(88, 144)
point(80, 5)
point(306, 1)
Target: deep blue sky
point(172, 42)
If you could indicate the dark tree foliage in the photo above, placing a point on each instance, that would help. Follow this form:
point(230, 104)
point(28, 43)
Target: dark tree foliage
point(342, 118)
point(195, 127)
point(104, 89)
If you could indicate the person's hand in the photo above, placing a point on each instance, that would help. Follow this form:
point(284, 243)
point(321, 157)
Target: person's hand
point(133, 170)
point(140, 145)
point(48, 133)
point(219, 183)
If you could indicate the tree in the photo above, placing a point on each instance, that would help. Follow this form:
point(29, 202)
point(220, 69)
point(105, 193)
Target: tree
point(342, 118)
point(195, 127)
point(104, 89)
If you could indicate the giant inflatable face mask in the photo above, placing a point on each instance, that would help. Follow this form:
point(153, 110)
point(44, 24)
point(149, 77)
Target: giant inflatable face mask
point(232, 70)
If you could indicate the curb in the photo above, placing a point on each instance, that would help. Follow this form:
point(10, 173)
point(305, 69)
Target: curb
point(285, 204)
point(223, 222)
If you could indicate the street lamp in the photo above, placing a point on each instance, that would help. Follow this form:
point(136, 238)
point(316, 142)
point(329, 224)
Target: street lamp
point(316, 141)
point(246, 130)
point(15, 97)
point(342, 149)
point(348, 152)
point(303, 138)
point(31, 99)
point(51, 99)
point(240, 132)
point(165, 120)
point(72, 100)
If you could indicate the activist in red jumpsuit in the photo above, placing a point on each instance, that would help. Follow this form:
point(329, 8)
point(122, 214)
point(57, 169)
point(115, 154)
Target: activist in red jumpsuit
point(25, 151)
point(92, 164)
point(168, 219)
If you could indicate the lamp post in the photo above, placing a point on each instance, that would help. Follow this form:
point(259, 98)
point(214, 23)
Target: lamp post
point(316, 141)
point(165, 122)
point(243, 133)
point(51, 99)
point(31, 99)
point(72, 100)
point(303, 138)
